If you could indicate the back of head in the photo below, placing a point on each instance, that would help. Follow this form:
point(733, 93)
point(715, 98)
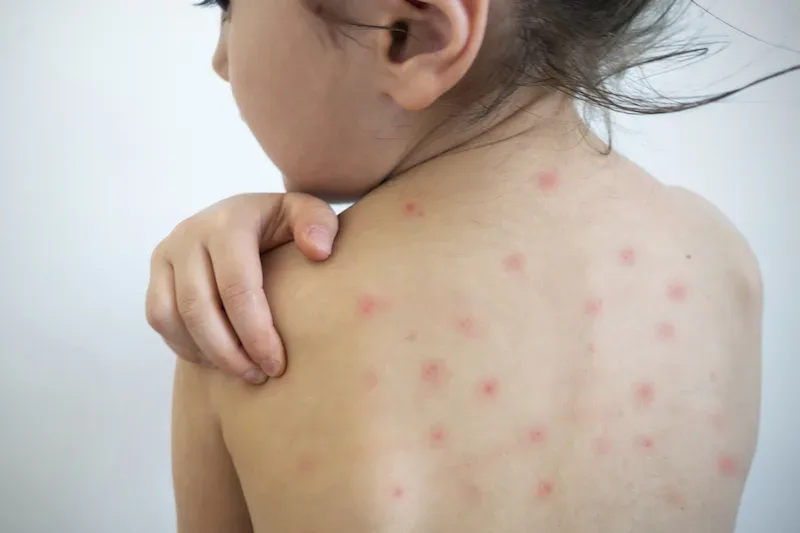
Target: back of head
point(342, 94)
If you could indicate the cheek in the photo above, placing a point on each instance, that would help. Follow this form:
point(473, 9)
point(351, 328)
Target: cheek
point(276, 108)
point(268, 86)
point(260, 74)
point(313, 117)
point(260, 94)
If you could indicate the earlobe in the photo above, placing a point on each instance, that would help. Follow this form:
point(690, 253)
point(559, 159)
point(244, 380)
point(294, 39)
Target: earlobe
point(432, 48)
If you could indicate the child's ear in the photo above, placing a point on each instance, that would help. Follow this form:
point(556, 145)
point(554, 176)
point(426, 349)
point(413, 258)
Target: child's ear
point(432, 47)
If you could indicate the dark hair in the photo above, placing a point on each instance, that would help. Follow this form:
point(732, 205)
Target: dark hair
point(579, 47)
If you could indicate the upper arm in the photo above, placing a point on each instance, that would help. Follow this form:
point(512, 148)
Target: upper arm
point(208, 494)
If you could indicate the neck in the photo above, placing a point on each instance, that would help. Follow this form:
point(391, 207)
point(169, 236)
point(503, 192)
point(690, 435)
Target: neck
point(548, 123)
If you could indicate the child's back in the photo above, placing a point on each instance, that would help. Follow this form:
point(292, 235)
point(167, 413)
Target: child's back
point(511, 345)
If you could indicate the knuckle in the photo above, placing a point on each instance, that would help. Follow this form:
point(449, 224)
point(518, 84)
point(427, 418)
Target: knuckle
point(236, 295)
point(296, 198)
point(183, 227)
point(158, 252)
point(222, 219)
point(191, 309)
point(188, 229)
point(162, 252)
point(158, 314)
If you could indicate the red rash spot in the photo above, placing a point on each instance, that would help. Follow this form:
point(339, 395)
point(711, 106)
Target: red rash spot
point(627, 256)
point(514, 263)
point(727, 466)
point(537, 435)
point(368, 306)
point(593, 307)
point(412, 336)
point(548, 180)
point(398, 492)
point(488, 388)
point(592, 348)
point(413, 210)
point(646, 442)
point(437, 436)
point(665, 331)
point(467, 327)
point(677, 292)
point(306, 466)
point(433, 372)
point(544, 489)
point(644, 393)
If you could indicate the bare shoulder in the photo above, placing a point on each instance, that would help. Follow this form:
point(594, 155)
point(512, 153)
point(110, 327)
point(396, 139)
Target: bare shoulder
point(728, 256)
point(710, 226)
point(675, 227)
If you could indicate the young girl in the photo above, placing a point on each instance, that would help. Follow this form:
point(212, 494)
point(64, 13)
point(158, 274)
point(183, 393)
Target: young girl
point(520, 330)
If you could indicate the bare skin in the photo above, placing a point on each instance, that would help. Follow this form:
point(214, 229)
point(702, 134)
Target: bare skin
point(503, 341)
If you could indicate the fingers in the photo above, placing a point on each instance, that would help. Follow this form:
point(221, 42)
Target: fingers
point(206, 295)
point(236, 262)
point(311, 221)
point(200, 309)
point(162, 312)
point(192, 356)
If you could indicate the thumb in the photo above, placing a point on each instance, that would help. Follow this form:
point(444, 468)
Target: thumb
point(312, 222)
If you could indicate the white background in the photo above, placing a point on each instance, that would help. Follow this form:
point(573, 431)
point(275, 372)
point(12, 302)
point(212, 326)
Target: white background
point(113, 129)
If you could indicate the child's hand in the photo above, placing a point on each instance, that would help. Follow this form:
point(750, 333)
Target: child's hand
point(214, 258)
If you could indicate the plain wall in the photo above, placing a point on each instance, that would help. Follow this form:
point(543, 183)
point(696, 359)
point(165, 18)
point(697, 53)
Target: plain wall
point(114, 129)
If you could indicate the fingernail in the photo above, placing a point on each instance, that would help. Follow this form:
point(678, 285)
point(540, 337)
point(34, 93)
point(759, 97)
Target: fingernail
point(321, 238)
point(255, 376)
point(270, 366)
